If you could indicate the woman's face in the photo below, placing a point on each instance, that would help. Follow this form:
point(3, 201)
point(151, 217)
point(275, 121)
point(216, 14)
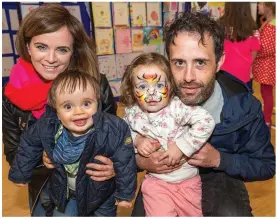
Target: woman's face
point(51, 53)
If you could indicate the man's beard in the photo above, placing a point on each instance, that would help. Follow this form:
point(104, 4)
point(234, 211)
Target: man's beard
point(205, 92)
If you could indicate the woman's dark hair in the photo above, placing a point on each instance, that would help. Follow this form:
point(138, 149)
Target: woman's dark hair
point(238, 21)
point(195, 23)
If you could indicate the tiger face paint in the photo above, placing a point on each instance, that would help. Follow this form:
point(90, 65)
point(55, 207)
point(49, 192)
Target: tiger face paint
point(151, 88)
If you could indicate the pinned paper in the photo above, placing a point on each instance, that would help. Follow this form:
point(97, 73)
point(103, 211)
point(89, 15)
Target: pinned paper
point(101, 14)
point(168, 17)
point(4, 21)
point(216, 9)
point(153, 35)
point(115, 87)
point(104, 41)
point(138, 14)
point(25, 9)
point(7, 64)
point(123, 41)
point(121, 14)
point(137, 40)
point(6, 44)
point(107, 66)
point(75, 11)
point(200, 7)
point(122, 61)
point(170, 6)
point(154, 14)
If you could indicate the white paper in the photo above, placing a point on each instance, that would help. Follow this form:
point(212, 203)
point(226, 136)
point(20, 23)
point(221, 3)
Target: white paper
point(107, 66)
point(138, 14)
point(14, 19)
point(4, 21)
point(25, 9)
point(121, 13)
point(154, 17)
point(115, 87)
point(7, 64)
point(75, 11)
point(6, 44)
point(101, 14)
point(15, 51)
point(122, 61)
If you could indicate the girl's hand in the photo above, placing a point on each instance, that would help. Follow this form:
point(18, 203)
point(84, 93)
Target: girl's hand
point(124, 204)
point(103, 171)
point(146, 146)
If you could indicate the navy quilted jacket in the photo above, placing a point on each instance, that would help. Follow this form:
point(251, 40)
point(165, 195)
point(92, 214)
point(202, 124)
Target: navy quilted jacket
point(111, 138)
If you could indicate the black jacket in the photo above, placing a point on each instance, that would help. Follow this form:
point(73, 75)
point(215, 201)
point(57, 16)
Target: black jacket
point(14, 121)
point(109, 137)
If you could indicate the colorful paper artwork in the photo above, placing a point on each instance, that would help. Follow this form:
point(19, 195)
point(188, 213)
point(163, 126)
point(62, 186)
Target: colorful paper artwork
point(104, 41)
point(200, 7)
point(115, 87)
point(170, 6)
point(154, 14)
point(107, 66)
point(138, 14)
point(121, 14)
point(123, 41)
point(152, 35)
point(168, 17)
point(122, 61)
point(101, 14)
point(216, 9)
point(137, 40)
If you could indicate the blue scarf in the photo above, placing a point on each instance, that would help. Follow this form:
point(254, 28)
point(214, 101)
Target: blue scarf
point(68, 148)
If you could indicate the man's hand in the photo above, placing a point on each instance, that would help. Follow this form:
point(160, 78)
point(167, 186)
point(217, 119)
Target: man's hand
point(173, 153)
point(146, 146)
point(102, 172)
point(207, 156)
point(46, 161)
point(157, 162)
point(124, 204)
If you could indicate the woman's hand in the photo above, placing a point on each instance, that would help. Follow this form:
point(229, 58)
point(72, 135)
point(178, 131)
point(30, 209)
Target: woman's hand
point(103, 171)
point(46, 161)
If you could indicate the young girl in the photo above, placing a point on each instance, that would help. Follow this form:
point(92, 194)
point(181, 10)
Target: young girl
point(154, 111)
point(241, 43)
point(72, 133)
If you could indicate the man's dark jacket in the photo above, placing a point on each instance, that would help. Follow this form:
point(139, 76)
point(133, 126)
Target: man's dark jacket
point(110, 137)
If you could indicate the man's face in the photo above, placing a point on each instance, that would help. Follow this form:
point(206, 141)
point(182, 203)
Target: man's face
point(194, 67)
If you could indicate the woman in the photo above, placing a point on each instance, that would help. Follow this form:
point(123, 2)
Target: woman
point(241, 42)
point(49, 41)
point(264, 67)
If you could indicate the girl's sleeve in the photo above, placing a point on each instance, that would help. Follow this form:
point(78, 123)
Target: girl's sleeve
point(196, 126)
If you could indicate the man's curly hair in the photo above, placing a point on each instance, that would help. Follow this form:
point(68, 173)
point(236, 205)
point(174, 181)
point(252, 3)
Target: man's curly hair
point(195, 23)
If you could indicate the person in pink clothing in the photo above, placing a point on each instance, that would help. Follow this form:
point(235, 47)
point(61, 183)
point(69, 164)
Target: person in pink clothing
point(241, 42)
point(153, 110)
point(264, 67)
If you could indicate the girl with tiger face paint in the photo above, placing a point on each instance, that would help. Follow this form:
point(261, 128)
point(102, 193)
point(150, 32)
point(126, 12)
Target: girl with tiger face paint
point(151, 88)
point(153, 110)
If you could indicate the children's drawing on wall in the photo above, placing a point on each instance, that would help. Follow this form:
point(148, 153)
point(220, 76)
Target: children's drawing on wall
point(123, 41)
point(152, 35)
point(200, 7)
point(107, 66)
point(168, 17)
point(122, 61)
point(138, 14)
point(101, 14)
point(120, 14)
point(170, 6)
point(154, 12)
point(216, 9)
point(137, 40)
point(104, 41)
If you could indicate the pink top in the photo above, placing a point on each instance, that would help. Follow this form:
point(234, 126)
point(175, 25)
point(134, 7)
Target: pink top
point(238, 58)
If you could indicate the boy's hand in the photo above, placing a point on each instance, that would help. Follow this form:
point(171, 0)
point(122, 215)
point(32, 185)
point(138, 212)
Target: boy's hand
point(20, 184)
point(173, 153)
point(46, 161)
point(124, 204)
point(146, 146)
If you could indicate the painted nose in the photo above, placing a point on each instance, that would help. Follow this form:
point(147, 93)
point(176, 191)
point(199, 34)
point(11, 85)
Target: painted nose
point(151, 90)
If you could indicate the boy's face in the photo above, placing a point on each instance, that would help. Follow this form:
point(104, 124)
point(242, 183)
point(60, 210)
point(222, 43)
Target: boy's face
point(151, 88)
point(75, 109)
